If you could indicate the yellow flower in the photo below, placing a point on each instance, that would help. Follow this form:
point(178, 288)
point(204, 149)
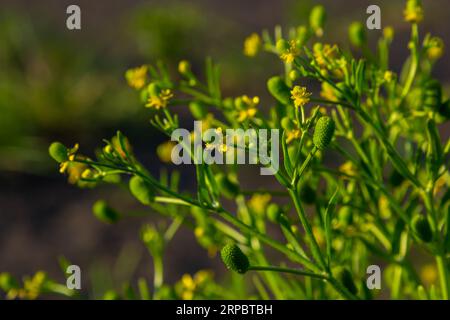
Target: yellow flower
point(428, 274)
point(300, 96)
point(388, 76)
point(348, 168)
point(435, 49)
point(327, 92)
point(159, 101)
point(289, 55)
point(325, 55)
point(71, 153)
point(164, 151)
point(413, 12)
point(258, 202)
point(246, 114)
point(293, 135)
point(252, 45)
point(188, 282)
point(136, 77)
point(184, 67)
point(202, 276)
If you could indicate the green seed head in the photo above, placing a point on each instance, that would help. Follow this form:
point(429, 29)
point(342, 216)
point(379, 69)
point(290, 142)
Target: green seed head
point(105, 213)
point(278, 88)
point(357, 34)
point(234, 259)
point(58, 152)
point(422, 228)
point(323, 132)
point(344, 276)
point(141, 190)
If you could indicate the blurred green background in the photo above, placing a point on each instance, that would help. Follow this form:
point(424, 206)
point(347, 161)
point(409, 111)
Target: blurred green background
point(57, 84)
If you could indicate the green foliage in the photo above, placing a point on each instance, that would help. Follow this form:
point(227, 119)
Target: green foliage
point(384, 195)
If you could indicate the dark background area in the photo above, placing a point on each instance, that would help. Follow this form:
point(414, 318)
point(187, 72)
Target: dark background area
point(57, 84)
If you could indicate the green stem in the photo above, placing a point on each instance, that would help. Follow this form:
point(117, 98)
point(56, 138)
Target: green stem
point(315, 250)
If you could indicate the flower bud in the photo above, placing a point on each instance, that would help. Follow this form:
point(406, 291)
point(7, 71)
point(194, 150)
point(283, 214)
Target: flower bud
point(184, 67)
point(435, 48)
point(317, 19)
point(273, 212)
point(227, 186)
point(198, 110)
point(234, 259)
point(323, 132)
point(58, 152)
point(105, 213)
point(344, 276)
point(357, 34)
point(422, 228)
point(278, 88)
point(413, 12)
point(141, 190)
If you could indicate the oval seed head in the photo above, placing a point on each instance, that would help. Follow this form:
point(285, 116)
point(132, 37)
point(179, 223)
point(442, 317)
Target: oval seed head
point(105, 213)
point(278, 88)
point(323, 132)
point(357, 34)
point(317, 19)
point(344, 276)
point(234, 259)
point(422, 228)
point(58, 152)
point(141, 190)
point(198, 110)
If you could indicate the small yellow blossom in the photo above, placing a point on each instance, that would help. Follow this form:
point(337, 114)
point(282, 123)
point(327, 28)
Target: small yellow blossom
point(293, 135)
point(327, 92)
point(300, 96)
point(184, 67)
point(258, 202)
point(289, 55)
point(388, 76)
point(348, 168)
point(159, 101)
point(246, 114)
point(435, 49)
point(136, 77)
point(252, 45)
point(326, 55)
point(164, 151)
point(413, 12)
point(71, 156)
point(188, 282)
point(429, 274)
